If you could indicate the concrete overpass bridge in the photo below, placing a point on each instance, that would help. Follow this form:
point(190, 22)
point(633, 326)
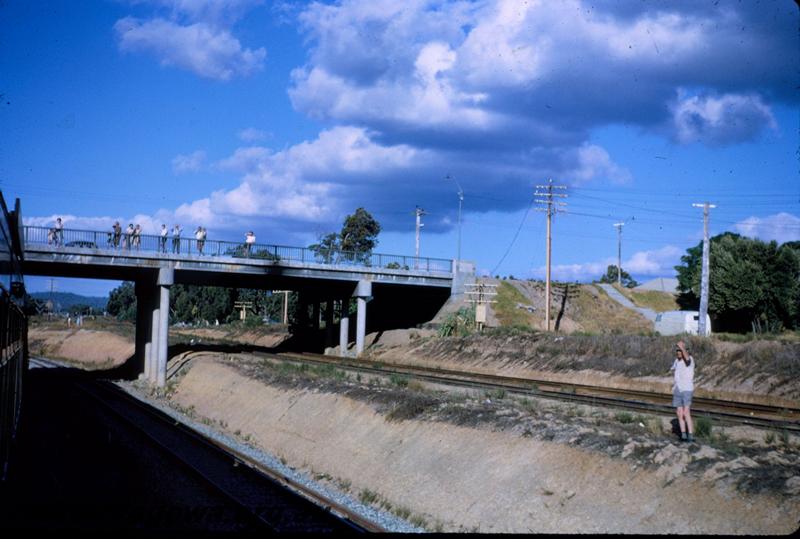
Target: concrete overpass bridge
point(404, 290)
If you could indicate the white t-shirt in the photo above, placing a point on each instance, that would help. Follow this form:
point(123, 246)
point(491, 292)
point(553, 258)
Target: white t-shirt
point(684, 376)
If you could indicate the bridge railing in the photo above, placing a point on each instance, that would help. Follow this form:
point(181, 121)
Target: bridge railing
point(187, 246)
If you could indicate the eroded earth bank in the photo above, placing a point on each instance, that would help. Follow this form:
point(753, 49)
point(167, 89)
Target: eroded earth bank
point(493, 462)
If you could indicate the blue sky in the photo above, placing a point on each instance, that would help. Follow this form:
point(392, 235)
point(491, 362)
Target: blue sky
point(285, 117)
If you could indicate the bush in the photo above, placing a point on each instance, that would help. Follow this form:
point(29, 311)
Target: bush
point(703, 427)
point(460, 323)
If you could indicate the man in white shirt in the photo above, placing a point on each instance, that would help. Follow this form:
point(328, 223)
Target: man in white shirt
point(682, 390)
point(163, 239)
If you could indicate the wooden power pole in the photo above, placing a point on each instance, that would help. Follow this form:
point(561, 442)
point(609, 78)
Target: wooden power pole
point(619, 226)
point(550, 207)
point(701, 322)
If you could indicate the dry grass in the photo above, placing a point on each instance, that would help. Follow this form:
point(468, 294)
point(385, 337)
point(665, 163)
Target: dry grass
point(506, 309)
point(651, 299)
point(601, 314)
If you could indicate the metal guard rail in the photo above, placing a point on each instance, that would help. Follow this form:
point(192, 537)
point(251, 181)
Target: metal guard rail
point(92, 239)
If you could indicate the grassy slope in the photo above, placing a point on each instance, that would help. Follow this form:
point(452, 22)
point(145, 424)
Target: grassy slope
point(651, 299)
point(601, 314)
point(506, 309)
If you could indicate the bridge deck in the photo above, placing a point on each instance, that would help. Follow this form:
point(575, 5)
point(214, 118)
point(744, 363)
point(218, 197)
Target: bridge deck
point(76, 253)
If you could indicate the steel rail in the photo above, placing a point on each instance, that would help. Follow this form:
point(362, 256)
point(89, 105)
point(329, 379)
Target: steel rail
point(758, 415)
point(350, 520)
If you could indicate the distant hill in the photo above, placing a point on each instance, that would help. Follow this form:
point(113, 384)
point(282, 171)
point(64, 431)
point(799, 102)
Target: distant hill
point(65, 300)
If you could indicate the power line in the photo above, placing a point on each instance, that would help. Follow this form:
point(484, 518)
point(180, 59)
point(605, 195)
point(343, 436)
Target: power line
point(516, 234)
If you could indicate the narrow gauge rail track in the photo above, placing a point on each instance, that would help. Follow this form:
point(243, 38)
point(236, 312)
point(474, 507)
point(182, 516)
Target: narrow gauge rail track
point(728, 412)
point(268, 499)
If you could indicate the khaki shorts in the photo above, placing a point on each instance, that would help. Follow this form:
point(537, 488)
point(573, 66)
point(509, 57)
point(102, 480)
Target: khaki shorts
point(681, 399)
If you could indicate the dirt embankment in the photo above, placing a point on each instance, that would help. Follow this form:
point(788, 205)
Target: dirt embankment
point(759, 371)
point(493, 464)
point(87, 348)
point(104, 344)
point(265, 337)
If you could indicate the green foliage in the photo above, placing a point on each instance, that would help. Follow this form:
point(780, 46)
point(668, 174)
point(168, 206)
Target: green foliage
point(624, 417)
point(612, 274)
point(753, 285)
point(189, 303)
point(703, 427)
point(327, 247)
point(460, 323)
point(122, 302)
point(355, 242)
point(192, 304)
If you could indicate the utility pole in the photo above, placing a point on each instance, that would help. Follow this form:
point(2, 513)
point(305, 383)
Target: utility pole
point(419, 212)
point(550, 207)
point(701, 323)
point(619, 226)
point(52, 303)
point(460, 202)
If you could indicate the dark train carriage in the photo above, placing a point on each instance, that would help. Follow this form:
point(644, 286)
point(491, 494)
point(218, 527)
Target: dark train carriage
point(13, 329)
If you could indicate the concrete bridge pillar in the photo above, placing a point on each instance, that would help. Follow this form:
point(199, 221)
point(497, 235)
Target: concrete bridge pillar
point(344, 326)
point(329, 323)
point(315, 308)
point(363, 294)
point(166, 278)
point(151, 350)
point(144, 293)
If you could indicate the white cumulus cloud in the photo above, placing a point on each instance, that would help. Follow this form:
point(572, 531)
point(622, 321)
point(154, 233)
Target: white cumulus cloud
point(781, 227)
point(192, 162)
point(205, 50)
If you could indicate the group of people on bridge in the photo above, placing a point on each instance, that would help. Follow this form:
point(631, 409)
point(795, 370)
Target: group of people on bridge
point(131, 238)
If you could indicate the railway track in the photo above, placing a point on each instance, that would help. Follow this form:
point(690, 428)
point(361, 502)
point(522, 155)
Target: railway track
point(265, 498)
point(725, 412)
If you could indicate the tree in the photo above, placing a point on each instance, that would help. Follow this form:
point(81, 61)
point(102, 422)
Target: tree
point(359, 234)
point(190, 303)
point(355, 242)
point(611, 277)
point(753, 284)
point(122, 302)
point(327, 247)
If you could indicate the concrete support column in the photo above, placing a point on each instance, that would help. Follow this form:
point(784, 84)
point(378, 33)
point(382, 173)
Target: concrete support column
point(361, 325)
point(329, 323)
point(151, 365)
point(363, 294)
point(344, 327)
point(143, 293)
point(166, 277)
point(315, 316)
point(302, 315)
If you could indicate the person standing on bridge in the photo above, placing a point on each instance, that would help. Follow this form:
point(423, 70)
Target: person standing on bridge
point(59, 235)
point(137, 237)
point(249, 240)
point(682, 390)
point(117, 234)
point(162, 241)
point(200, 236)
point(176, 239)
point(126, 242)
